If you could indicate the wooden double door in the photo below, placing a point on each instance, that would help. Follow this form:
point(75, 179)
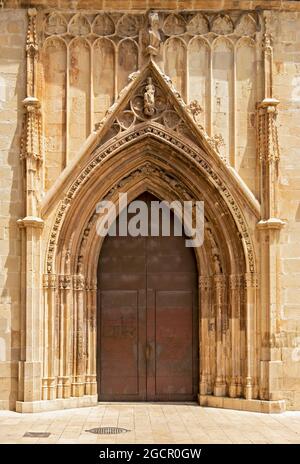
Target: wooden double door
point(147, 319)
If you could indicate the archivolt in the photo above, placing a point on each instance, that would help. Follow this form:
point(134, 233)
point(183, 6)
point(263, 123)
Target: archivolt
point(149, 159)
point(120, 148)
point(85, 245)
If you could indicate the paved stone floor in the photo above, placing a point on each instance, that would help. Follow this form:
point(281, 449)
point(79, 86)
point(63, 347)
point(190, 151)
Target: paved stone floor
point(152, 423)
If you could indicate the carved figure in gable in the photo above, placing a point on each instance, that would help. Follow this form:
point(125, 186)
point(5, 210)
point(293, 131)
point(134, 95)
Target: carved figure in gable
point(149, 98)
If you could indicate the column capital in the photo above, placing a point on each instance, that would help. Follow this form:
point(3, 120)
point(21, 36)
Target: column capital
point(49, 280)
point(219, 280)
point(268, 104)
point(31, 221)
point(204, 282)
point(271, 224)
point(235, 281)
point(65, 282)
point(79, 282)
point(250, 280)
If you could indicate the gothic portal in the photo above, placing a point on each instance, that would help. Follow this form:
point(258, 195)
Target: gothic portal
point(165, 104)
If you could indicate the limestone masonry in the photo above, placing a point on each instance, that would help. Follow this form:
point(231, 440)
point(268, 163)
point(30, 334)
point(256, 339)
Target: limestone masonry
point(222, 125)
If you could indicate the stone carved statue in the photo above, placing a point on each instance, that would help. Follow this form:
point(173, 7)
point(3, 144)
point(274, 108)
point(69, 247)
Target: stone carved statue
point(217, 264)
point(154, 38)
point(149, 99)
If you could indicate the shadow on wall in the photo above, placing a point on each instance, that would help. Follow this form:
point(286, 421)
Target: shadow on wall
point(12, 73)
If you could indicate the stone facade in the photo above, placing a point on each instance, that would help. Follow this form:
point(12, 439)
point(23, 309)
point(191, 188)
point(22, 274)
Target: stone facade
point(188, 102)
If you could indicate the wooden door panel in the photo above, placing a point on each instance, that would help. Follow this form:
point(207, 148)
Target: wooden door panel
point(122, 366)
point(130, 281)
point(123, 246)
point(169, 264)
point(148, 321)
point(124, 264)
point(168, 281)
point(171, 373)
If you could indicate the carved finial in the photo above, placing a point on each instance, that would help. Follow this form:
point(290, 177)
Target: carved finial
point(217, 142)
point(195, 108)
point(133, 76)
point(267, 42)
point(32, 12)
point(154, 38)
point(31, 42)
point(149, 102)
point(267, 37)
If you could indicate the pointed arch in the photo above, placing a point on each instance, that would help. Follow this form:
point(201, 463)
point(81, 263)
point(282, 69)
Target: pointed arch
point(175, 163)
point(146, 161)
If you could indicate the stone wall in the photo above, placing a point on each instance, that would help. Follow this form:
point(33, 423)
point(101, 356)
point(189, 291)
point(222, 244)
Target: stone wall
point(287, 89)
point(13, 25)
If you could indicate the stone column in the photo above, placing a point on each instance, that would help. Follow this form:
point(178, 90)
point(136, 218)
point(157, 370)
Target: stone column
point(49, 379)
point(204, 355)
point(219, 302)
point(251, 335)
point(30, 366)
point(234, 327)
point(65, 336)
point(269, 230)
point(78, 384)
point(91, 381)
point(271, 372)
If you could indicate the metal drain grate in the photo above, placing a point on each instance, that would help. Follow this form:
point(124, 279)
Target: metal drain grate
point(37, 434)
point(107, 430)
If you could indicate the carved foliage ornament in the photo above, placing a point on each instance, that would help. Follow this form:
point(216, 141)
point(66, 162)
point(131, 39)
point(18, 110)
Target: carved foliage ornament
point(65, 282)
point(79, 282)
point(268, 146)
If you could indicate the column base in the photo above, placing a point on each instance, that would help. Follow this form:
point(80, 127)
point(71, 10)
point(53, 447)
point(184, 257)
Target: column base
point(56, 404)
point(242, 404)
point(220, 389)
point(30, 382)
